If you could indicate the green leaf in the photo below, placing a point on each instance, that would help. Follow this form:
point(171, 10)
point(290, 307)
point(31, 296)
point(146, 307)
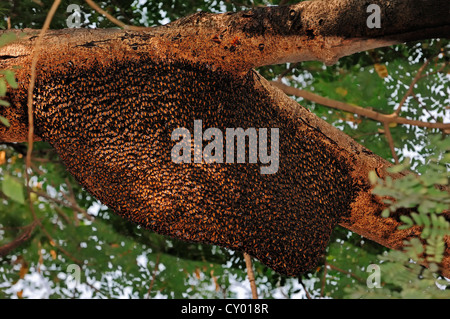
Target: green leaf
point(417, 219)
point(401, 167)
point(7, 38)
point(4, 103)
point(373, 178)
point(10, 78)
point(2, 87)
point(425, 232)
point(385, 213)
point(4, 121)
point(435, 248)
point(13, 188)
point(407, 220)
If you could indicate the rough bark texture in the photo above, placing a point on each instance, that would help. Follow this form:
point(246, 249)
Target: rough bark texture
point(108, 100)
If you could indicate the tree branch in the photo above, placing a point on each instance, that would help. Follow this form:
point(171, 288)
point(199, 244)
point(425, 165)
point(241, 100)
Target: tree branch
point(119, 23)
point(308, 296)
point(387, 133)
point(251, 275)
point(70, 204)
point(411, 87)
point(345, 272)
point(324, 280)
point(26, 234)
point(338, 105)
point(155, 270)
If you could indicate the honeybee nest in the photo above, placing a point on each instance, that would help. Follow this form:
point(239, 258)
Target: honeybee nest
point(111, 125)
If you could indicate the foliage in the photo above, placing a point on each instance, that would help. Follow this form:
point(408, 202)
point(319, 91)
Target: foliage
point(117, 259)
point(6, 77)
point(422, 196)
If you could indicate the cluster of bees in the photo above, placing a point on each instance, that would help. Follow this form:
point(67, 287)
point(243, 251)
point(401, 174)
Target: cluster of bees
point(112, 124)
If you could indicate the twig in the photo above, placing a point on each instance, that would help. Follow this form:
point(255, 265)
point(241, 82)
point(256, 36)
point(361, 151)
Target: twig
point(119, 23)
point(62, 203)
point(62, 214)
point(411, 87)
point(30, 103)
point(424, 106)
point(345, 272)
point(250, 6)
point(26, 234)
point(304, 288)
point(93, 287)
point(37, 47)
point(36, 169)
point(251, 275)
point(46, 25)
point(388, 118)
point(324, 279)
point(153, 275)
point(437, 71)
point(387, 133)
point(285, 72)
point(54, 244)
point(48, 19)
point(73, 201)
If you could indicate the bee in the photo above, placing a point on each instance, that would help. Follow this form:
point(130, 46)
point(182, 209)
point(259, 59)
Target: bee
point(216, 39)
point(235, 41)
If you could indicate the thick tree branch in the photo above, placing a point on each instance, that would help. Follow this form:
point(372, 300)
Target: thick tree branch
point(237, 42)
point(310, 30)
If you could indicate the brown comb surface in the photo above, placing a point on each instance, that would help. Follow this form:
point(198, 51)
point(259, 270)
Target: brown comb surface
point(111, 125)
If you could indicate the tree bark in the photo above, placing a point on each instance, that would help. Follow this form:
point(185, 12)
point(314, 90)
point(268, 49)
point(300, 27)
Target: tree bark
point(228, 46)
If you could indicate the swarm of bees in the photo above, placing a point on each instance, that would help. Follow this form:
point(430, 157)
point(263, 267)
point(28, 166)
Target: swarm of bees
point(111, 125)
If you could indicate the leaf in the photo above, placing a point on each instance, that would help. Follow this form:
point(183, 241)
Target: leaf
point(407, 220)
point(7, 38)
point(425, 232)
point(10, 78)
point(381, 70)
point(385, 213)
point(4, 120)
point(414, 248)
point(341, 91)
point(435, 248)
point(53, 254)
point(426, 206)
point(417, 219)
point(392, 124)
point(400, 167)
point(373, 178)
point(2, 87)
point(23, 270)
point(12, 188)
